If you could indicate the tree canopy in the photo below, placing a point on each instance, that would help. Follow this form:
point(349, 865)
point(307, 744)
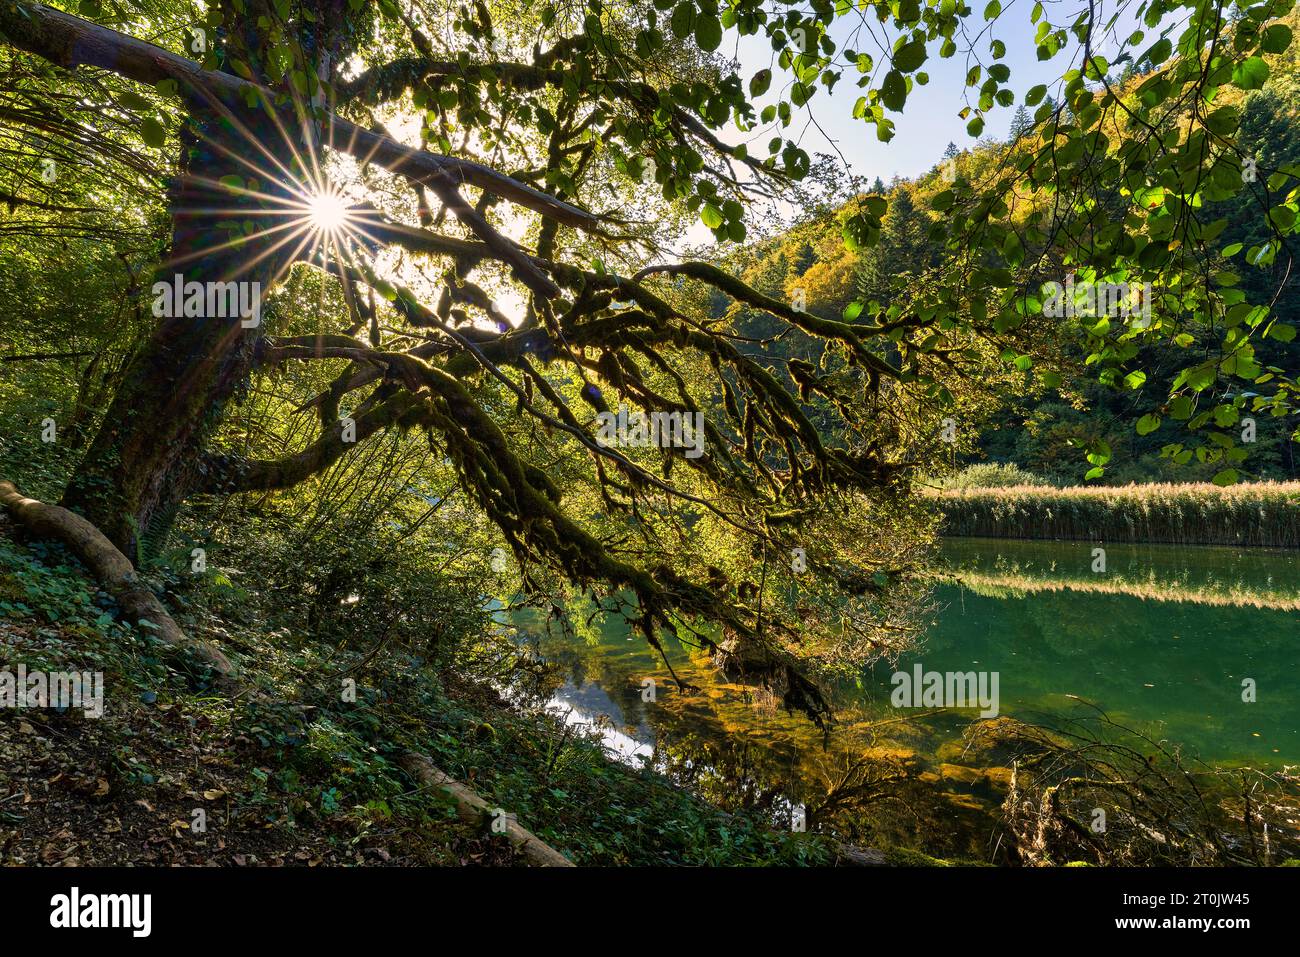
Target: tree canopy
point(467, 219)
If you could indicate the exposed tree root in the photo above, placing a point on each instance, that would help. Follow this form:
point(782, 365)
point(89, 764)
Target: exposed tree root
point(119, 577)
point(113, 570)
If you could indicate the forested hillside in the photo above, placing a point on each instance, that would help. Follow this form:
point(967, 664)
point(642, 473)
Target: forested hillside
point(1046, 423)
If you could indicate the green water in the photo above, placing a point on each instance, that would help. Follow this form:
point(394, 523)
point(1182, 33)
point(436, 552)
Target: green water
point(1167, 650)
point(1161, 641)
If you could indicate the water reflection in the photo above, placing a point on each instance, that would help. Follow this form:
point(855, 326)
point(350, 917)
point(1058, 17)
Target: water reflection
point(1162, 641)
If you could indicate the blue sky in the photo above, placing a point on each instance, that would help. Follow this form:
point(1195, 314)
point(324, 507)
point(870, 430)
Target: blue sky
point(930, 119)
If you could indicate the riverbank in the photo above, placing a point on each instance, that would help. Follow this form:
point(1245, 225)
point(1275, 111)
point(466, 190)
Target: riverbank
point(1262, 514)
point(309, 764)
point(308, 768)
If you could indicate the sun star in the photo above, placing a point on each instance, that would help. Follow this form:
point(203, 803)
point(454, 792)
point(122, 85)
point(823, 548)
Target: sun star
point(328, 211)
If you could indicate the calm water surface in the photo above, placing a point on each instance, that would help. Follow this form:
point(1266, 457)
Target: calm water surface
point(1161, 641)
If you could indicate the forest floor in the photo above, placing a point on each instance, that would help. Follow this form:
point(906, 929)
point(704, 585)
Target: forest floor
point(178, 772)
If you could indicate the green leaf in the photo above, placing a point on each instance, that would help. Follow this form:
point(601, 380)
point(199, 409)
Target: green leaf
point(1222, 122)
point(1148, 424)
point(910, 56)
point(893, 92)
point(682, 20)
point(1275, 39)
point(1226, 477)
point(133, 101)
point(1012, 249)
point(1159, 52)
point(860, 231)
point(711, 216)
point(708, 33)
point(1099, 452)
point(152, 132)
point(1250, 74)
point(1283, 217)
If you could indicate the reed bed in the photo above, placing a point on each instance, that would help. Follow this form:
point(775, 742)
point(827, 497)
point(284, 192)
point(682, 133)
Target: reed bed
point(1224, 594)
point(1263, 514)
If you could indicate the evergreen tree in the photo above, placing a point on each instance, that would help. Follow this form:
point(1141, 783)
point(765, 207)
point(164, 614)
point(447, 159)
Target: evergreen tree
point(904, 247)
point(803, 260)
point(1021, 123)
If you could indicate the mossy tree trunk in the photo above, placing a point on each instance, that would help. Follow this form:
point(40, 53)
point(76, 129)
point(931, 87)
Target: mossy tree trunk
point(147, 455)
point(143, 460)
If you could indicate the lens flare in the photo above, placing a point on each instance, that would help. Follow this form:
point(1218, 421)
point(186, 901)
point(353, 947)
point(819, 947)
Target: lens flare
point(328, 211)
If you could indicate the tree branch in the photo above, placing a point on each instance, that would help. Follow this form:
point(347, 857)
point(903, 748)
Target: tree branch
point(70, 41)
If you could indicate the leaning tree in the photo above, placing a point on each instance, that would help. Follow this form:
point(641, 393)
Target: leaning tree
point(532, 152)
